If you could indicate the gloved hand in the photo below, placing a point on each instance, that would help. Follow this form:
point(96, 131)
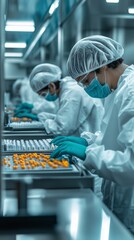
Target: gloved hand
point(60, 139)
point(28, 115)
point(23, 110)
point(25, 105)
point(70, 148)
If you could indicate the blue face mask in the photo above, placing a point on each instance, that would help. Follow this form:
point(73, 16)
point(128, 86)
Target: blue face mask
point(96, 90)
point(51, 97)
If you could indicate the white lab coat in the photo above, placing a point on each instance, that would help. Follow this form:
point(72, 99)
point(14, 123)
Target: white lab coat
point(114, 158)
point(44, 106)
point(77, 111)
point(39, 103)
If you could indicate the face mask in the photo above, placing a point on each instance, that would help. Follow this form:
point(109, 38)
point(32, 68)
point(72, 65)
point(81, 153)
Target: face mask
point(96, 90)
point(51, 97)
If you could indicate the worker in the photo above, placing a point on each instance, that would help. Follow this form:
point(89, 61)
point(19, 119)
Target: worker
point(16, 99)
point(97, 65)
point(76, 111)
point(31, 103)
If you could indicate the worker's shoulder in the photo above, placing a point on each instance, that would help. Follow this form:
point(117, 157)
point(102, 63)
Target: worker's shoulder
point(127, 85)
point(125, 92)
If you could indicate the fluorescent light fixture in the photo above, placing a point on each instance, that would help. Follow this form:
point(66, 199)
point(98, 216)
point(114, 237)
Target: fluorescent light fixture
point(112, 1)
point(131, 10)
point(20, 26)
point(53, 7)
point(20, 23)
point(15, 45)
point(13, 54)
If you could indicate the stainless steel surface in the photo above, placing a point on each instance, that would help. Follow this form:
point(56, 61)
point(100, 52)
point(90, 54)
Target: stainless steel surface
point(71, 169)
point(27, 134)
point(73, 178)
point(80, 215)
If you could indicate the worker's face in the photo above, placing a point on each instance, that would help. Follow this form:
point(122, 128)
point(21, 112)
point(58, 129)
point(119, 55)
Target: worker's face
point(43, 92)
point(95, 84)
point(51, 88)
point(86, 79)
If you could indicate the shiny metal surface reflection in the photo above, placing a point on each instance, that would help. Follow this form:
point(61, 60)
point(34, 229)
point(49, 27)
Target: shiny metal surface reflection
point(80, 215)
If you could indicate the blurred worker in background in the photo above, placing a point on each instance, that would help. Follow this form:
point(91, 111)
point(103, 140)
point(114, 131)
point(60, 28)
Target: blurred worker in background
point(30, 103)
point(76, 111)
point(97, 65)
point(16, 99)
point(23, 92)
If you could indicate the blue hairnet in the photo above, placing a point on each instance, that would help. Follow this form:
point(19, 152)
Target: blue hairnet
point(43, 74)
point(91, 53)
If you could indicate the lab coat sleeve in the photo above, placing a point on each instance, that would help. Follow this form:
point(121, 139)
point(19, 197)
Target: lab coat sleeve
point(45, 106)
point(117, 166)
point(43, 116)
point(66, 120)
point(92, 137)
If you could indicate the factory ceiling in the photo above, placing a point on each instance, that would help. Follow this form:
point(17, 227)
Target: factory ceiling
point(43, 17)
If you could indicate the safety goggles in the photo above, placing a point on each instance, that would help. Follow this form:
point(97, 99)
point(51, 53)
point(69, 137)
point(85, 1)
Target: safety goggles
point(84, 82)
point(43, 92)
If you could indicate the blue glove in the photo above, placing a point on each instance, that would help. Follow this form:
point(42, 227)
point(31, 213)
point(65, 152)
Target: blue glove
point(60, 139)
point(70, 148)
point(28, 115)
point(25, 105)
point(23, 110)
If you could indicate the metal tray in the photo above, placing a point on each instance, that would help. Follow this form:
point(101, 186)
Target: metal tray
point(71, 169)
point(24, 129)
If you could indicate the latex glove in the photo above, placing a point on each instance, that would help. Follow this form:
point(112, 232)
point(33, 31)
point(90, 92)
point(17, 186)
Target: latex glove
point(25, 105)
point(28, 115)
point(60, 139)
point(24, 110)
point(70, 148)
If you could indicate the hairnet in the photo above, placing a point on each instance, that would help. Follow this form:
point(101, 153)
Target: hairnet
point(43, 74)
point(91, 53)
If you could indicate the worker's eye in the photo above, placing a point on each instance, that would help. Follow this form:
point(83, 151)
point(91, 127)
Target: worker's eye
point(86, 82)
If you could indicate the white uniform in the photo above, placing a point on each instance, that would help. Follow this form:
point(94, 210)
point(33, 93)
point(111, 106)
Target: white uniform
point(77, 111)
point(39, 103)
point(45, 106)
point(114, 158)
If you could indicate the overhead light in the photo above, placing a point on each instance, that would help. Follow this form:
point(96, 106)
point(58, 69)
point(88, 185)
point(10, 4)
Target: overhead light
point(112, 1)
point(53, 7)
point(20, 26)
point(13, 54)
point(20, 23)
point(131, 10)
point(15, 45)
